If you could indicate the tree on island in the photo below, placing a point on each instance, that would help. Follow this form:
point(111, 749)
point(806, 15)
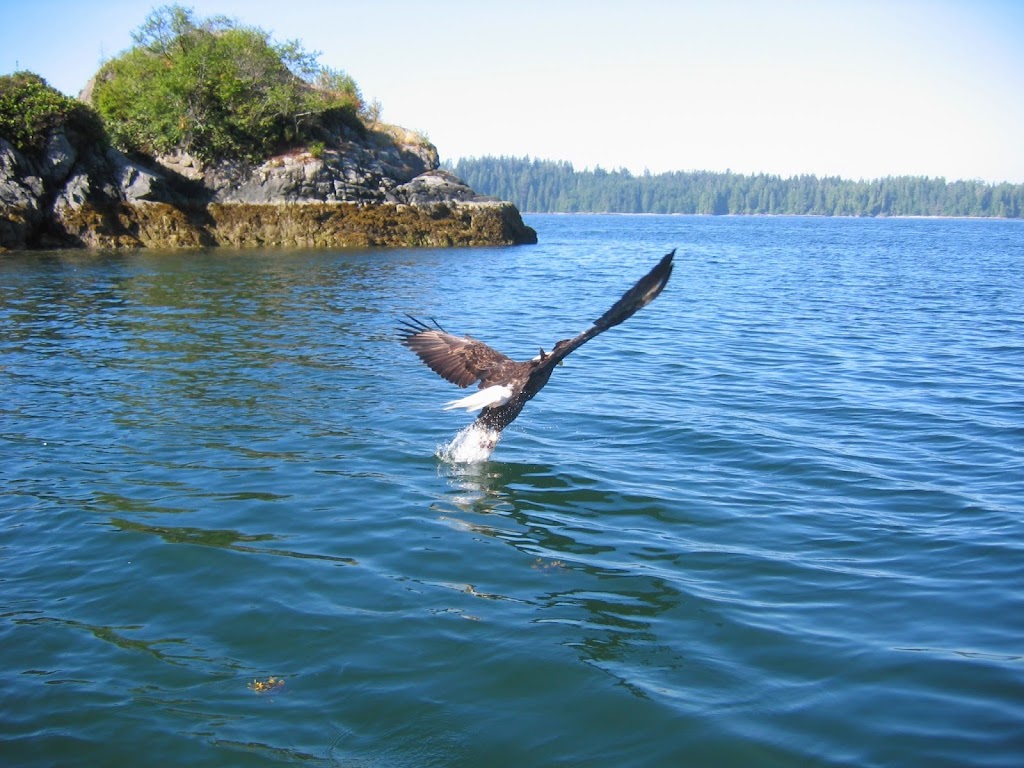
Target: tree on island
point(219, 90)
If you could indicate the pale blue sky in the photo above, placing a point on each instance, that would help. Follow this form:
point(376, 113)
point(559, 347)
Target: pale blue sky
point(857, 89)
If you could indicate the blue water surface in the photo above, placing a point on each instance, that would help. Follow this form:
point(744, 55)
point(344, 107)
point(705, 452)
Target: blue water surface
point(775, 519)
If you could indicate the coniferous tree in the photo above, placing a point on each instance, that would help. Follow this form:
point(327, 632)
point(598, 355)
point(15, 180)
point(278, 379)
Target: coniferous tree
point(552, 186)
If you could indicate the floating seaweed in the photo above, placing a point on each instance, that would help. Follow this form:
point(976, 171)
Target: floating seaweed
point(270, 685)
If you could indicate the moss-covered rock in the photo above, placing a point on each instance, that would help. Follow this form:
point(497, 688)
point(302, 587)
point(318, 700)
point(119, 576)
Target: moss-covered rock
point(63, 185)
point(356, 194)
point(306, 225)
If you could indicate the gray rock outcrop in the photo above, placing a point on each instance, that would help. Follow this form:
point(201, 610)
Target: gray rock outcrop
point(383, 188)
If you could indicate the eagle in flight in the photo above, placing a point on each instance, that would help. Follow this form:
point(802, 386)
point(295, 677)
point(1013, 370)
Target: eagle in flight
point(506, 385)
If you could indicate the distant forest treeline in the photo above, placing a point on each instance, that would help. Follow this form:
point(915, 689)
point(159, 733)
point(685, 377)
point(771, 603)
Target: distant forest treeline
point(546, 186)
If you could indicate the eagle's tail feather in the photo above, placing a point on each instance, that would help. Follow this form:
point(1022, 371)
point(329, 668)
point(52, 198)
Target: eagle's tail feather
point(485, 398)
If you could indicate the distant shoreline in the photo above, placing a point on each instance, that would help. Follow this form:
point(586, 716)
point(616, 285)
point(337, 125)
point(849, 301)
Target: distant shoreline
point(549, 186)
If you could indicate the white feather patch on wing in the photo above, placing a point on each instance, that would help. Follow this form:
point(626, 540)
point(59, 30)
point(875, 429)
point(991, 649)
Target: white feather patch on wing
point(485, 398)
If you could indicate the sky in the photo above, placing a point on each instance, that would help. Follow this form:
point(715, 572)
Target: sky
point(860, 90)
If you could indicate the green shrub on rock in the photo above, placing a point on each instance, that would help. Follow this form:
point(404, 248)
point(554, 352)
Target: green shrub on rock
point(31, 110)
point(218, 90)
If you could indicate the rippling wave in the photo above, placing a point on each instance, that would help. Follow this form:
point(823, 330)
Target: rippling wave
point(773, 520)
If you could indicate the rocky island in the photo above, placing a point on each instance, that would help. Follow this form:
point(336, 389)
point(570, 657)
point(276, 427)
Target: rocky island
point(75, 176)
point(382, 190)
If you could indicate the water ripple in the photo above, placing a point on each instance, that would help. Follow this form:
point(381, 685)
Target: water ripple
point(772, 520)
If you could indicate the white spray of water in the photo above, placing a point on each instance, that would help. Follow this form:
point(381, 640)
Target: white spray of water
point(472, 445)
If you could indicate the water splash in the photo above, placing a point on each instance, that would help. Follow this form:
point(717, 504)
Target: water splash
point(472, 445)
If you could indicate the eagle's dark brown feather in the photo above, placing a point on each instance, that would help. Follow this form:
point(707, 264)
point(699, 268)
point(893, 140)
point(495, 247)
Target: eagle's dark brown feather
point(462, 360)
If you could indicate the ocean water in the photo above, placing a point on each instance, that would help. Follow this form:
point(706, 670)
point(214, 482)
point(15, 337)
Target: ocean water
point(775, 519)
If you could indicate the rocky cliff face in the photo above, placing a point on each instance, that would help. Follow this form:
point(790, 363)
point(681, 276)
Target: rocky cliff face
point(384, 188)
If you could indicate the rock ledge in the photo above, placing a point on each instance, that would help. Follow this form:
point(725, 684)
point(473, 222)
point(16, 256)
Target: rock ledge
point(381, 189)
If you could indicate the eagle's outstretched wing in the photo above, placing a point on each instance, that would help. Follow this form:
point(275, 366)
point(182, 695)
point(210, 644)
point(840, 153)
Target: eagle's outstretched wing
point(636, 298)
point(461, 360)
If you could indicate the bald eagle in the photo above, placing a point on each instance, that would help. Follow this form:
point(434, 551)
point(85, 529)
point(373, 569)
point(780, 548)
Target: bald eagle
point(506, 385)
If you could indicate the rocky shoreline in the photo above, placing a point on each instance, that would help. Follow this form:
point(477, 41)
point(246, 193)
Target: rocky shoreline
point(382, 188)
